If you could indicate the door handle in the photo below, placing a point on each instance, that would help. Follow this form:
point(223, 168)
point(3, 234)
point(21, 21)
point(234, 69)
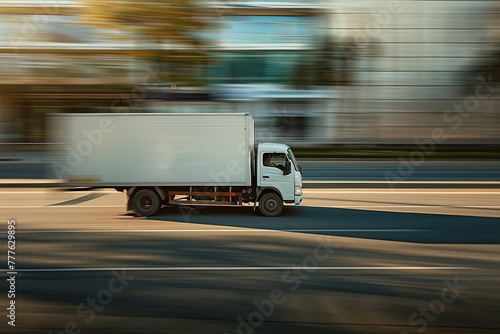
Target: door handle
point(265, 177)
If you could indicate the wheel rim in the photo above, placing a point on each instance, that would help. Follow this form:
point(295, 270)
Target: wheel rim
point(146, 202)
point(271, 205)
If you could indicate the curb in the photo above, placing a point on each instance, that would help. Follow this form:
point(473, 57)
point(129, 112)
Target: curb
point(401, 184)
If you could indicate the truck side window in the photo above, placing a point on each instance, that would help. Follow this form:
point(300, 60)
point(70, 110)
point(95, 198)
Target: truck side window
point(267, 159)
point(277, 160)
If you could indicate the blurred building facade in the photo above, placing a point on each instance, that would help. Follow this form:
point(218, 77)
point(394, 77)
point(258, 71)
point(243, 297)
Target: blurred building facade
point(334, 72)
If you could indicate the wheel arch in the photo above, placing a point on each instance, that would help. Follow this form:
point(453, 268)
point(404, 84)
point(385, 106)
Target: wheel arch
point(268, 190)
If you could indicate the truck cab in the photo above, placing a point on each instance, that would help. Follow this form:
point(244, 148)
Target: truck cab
point(278, 178)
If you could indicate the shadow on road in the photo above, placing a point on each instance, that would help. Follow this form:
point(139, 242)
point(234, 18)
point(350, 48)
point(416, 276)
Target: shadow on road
point(393, 226)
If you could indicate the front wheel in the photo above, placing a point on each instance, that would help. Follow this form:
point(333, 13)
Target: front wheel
point(270, 205)
point(146, 202)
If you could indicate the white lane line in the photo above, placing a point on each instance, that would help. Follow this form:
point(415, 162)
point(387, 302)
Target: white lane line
point(411, 206)
point(54, 191)
point(356, 230)
point(219, 230)
point(421, 206)
point(23, 192)
point(342, 206)
point(231, 269)
point(397, 192)
point(74, 206)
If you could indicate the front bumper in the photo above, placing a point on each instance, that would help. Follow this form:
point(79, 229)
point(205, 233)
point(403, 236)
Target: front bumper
point(298, 199)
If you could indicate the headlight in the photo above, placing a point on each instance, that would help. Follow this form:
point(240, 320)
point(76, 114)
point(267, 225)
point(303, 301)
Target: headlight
point(298, 189)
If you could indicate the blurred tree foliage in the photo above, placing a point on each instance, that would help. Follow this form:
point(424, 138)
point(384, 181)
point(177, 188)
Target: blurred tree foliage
point(486, 67)
point(176, 23)
point(329, 64)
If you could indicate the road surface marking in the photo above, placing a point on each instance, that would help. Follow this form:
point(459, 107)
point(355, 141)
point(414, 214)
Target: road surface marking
point(221, 230)
point(231, 269)
point(59, 206)
point(397, 192)
point(422, 206)
point(58, 191)
point(343, 206)
point(408, 206)
point(355, 230)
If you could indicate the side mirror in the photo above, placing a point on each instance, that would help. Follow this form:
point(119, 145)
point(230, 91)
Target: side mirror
point(288, 167)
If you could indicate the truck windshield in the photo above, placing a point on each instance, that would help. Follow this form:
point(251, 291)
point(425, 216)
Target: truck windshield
point(292, 157)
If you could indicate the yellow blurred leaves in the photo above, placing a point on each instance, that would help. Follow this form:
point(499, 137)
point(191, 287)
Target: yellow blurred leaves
point(163, 21)
point(163, 31)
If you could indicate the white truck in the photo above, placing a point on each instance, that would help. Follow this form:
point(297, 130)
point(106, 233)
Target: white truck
point(175, 159)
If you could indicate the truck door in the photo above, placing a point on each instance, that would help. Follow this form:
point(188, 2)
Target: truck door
point(271, 174)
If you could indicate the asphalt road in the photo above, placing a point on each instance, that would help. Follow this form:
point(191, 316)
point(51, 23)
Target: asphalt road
point(346, 261)
point(431, 170)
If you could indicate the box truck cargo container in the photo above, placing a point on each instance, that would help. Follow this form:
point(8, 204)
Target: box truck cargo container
point(175, 159)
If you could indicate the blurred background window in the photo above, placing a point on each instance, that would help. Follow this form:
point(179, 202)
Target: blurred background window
point(269, 29)
point(254, 67)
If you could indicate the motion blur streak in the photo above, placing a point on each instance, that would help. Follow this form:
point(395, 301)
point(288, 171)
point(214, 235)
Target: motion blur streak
point(317, 72)
point(391, 108)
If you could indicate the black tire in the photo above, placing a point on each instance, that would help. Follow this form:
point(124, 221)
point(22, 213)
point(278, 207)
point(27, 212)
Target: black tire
point(146, 202)
point(270, 205)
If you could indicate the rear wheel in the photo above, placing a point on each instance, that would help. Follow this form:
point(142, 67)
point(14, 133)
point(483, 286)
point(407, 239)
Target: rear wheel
point(146, 202)
point(270, 205)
